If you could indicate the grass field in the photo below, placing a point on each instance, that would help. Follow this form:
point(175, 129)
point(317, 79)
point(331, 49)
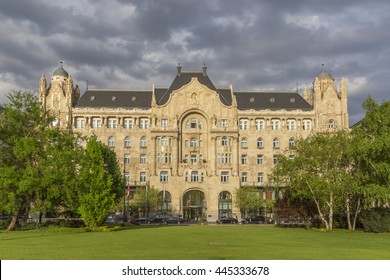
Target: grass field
point(195, 242)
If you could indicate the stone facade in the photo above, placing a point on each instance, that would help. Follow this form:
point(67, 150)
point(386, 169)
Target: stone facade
point(194, 142)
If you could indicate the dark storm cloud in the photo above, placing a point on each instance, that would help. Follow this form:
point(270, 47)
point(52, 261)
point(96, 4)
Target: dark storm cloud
point(250, 44)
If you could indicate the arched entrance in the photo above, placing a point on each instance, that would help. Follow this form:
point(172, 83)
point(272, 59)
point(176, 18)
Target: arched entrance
point(224, 204)
point(194, 206)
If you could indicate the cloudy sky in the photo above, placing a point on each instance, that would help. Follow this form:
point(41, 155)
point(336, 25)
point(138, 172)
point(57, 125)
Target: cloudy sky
point(251, 44)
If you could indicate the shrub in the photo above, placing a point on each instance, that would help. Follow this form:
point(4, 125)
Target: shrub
point(376, 220)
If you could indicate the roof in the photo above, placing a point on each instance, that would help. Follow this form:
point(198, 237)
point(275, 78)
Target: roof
point(107, 98)
point(272, 100)
point(60, 71)
point(324, 75)
point(184, 78)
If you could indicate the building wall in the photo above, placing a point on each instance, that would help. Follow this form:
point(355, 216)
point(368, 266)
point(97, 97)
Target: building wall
point(195, 125)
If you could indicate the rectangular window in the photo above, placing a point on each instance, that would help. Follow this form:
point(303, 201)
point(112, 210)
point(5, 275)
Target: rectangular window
point(259, 124)
point(96, 123)
point(275, 124)
point(275, 159)
point(260, 159)
point(260, 178)
point(244, 177)
point(193, 158)
point(291, 125)
point(111, 123)
point(243, 124)
point(224, 176)
point(142, 159)
point(244, 159)
point(80, 122)
point(127, 177)
point(306, 125)
point(142, 177)
point(164, 122)
point(127, 123)
point(164, 176)
point(143, 123)
point(223, 123)
point(194, 176)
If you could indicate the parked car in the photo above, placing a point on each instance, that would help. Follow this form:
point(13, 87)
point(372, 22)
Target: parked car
point(174, 220)
point(141, 220)
point(159, 218)
point(115, 219)
point(227, 220)
point(254, 220)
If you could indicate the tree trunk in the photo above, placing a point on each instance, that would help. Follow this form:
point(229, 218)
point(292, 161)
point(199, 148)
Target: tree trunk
point(14, 220)
point(358, 207)
point(348, 213)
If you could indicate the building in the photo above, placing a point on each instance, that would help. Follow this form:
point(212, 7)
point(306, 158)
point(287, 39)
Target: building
point(195, 142)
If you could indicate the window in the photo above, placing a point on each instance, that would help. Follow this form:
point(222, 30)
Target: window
point(275, 143)
point(80, 122)
point(224, 141)
point(127, 177)
point(224, 176)
point(331, 124)
point(165, 141)
point(193, 158)
point(142, 159)
point(127, 142)
point(194, 176)
point(143, 142)
point(193, 143)
point(111, 142)
point(193, 123)
point(244, 177)
point(111, 123)
point(223, 123)
point(260, 159)
point(142, 177)
point(275, 159)
point(260, 177)
point(291, 142)
point(244, 159)
point(291, 125)
point(244, 143)
point(96, 123)
point(306, 124)
point(224, 158)
point(260, 143)
point(164, 176)
point(143, 123)
point(127, 123)
point(259, 124)
point(164, 158)
point(275, 124)
point(127, 159)
point(243, 124)
point(164, 122)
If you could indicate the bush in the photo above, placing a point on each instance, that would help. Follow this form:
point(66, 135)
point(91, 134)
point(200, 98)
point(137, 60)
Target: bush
point(376, 220)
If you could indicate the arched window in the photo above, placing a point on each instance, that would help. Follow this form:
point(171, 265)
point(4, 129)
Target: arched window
point(275, 143)
point(260, 143)
point(291, 142)
point(143, 142)
point(224, 141)
point(111, 142)
point(127, 142)
point(331, 124)
point(244, 143)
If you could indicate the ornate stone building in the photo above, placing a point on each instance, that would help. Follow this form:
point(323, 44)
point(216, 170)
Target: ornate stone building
point(195, 142)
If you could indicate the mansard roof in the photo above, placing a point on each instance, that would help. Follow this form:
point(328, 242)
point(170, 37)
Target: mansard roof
point(273, 100)
point(99, 98)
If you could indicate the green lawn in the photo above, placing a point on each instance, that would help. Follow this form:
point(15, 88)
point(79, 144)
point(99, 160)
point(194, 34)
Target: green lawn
point(196, 242)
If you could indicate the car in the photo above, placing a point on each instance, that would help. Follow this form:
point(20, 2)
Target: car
point(141, 220)
point(174, 220)
point(227, 220)
point(254, 220)
point(159, 218)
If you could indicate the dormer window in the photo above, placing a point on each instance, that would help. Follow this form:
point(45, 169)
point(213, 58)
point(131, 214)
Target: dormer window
point(292, 100)
point(133, 98)
point(272, 100)
point(252, 99)
point(113, 98)
point(93, 98)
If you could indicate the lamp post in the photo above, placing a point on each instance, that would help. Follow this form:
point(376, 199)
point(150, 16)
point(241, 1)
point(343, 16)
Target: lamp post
point(124, 191)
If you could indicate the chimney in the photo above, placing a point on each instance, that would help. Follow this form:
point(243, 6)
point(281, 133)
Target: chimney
point(178, 69)
point(204, 69)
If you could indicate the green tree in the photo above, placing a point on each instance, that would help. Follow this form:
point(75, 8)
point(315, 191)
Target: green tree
point(247, 199)
point(101, 185)
point(146, 198)
point(320, 170)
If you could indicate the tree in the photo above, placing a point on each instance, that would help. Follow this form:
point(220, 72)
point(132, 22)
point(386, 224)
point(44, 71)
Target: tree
point(30, 157)
point(247, 199)
point(101, 185)
point(320, 170)
point(146, 198)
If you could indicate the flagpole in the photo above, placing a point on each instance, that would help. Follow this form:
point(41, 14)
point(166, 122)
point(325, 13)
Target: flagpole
point(124, 191)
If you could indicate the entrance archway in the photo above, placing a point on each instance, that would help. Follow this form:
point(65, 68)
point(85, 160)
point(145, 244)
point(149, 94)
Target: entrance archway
point(194, 206)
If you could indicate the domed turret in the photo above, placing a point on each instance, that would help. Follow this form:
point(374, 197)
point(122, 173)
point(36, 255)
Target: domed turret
point(60, 71)
point(324, 74)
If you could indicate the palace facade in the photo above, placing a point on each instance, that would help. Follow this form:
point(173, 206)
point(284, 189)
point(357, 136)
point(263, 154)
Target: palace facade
point(195, 142)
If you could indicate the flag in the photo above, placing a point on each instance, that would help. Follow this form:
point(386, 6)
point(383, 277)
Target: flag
point(128, 190)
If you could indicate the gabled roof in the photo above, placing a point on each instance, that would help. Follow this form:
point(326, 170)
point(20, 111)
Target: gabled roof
point(272, 100)
point(97, 98)
point(184, 78)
